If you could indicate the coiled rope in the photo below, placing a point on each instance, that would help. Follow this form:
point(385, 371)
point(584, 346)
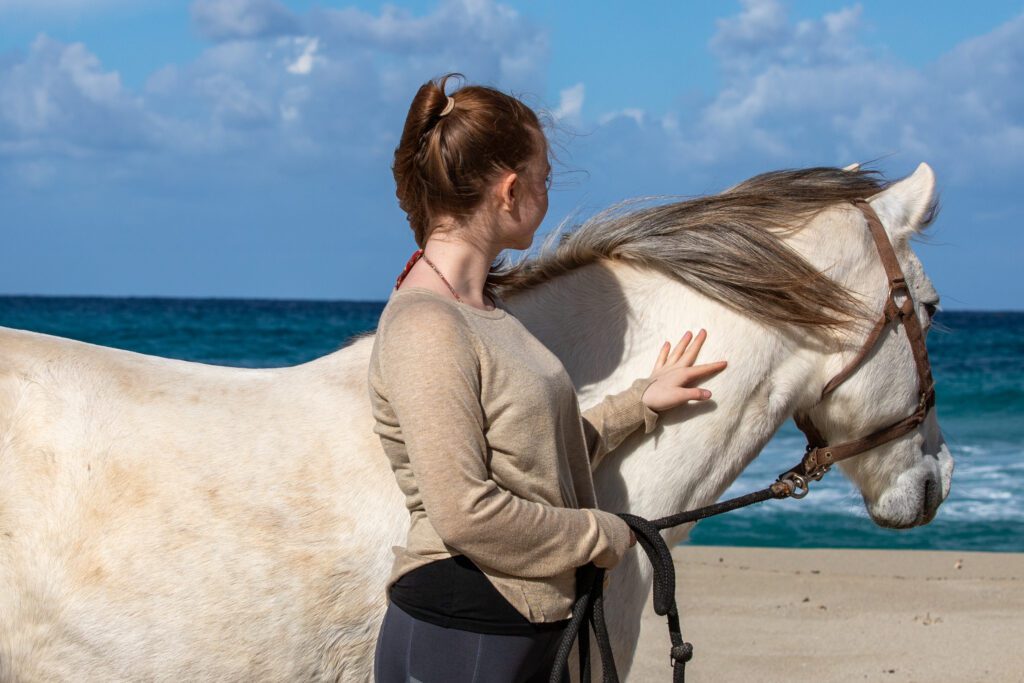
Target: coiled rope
point(589, 605)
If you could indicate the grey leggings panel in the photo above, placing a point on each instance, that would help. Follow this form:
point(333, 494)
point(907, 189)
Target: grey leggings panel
point(414, 651)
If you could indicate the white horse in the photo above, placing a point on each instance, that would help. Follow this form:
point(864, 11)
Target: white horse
point(169, 520)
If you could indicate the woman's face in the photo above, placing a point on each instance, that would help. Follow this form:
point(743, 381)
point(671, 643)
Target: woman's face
point(532, 196)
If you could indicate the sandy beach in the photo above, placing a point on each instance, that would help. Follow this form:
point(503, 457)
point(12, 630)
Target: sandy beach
point(769, 614)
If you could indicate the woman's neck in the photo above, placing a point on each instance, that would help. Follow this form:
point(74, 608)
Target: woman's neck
point(463, 265)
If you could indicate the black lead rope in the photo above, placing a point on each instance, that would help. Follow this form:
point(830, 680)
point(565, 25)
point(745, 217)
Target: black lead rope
point(589, 605)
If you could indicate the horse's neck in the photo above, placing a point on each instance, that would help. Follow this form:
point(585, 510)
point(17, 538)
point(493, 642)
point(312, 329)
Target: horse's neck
point(606, 322)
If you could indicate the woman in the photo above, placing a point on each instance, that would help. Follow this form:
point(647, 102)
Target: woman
point(479, 420)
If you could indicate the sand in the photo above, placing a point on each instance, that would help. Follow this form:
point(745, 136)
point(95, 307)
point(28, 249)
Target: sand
point(768, 614)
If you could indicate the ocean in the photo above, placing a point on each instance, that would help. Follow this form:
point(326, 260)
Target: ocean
point(977, 358)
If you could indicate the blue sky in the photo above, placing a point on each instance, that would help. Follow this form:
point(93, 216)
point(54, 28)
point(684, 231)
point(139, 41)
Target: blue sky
point(242, 147)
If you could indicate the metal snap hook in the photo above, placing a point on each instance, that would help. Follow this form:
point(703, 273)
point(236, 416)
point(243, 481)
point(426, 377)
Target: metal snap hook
point(797, 484)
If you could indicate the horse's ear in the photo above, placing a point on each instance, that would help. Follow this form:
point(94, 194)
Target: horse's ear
point(906, 203)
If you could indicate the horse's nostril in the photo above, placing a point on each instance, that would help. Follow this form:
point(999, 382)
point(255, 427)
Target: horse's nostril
point(929, 501)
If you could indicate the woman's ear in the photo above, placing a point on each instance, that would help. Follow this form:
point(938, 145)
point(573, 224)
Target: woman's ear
point(507, 189)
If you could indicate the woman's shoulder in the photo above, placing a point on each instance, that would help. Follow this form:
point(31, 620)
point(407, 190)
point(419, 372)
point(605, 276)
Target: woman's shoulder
point(421, 317)
point(420, 306)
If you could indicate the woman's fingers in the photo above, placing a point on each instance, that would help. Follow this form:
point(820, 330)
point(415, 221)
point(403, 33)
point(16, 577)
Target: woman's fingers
point(682, 358)
point(691, 352)
point(680, 348)
point(687, 349)
point(676, 371)
point(697, 394)
point(686, 375)
point(684, 394)
point(705, 369)
point(662, 357)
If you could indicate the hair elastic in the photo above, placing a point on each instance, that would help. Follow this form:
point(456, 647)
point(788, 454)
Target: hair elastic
point(448, 107)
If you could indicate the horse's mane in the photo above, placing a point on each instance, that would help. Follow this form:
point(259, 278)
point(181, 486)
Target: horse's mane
point(729, 246)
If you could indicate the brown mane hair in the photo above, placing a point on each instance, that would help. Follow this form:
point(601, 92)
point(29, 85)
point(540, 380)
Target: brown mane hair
point(727, 246)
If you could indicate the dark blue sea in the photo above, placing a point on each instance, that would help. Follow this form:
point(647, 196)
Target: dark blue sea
point(978, 361)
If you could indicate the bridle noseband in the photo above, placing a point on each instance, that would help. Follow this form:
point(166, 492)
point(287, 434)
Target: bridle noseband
point(792, 483)
point(820, 456)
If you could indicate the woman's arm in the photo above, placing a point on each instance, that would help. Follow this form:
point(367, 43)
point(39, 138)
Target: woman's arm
point(431, 370)
point(608, 423)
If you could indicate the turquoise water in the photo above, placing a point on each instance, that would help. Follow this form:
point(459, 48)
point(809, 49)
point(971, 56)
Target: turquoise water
point(978, 361)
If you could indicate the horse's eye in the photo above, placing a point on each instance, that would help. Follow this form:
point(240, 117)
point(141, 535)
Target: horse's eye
point(930, 309)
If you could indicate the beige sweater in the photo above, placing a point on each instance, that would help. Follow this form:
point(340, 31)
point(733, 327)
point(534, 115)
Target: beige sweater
point(483, 429)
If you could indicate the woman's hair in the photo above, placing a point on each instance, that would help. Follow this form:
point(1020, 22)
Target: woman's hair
point(445, 161)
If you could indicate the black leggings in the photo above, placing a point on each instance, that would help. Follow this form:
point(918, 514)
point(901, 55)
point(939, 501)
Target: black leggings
point(413, 651)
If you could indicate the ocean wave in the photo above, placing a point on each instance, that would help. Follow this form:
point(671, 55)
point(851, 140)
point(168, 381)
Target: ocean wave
point(988, 510)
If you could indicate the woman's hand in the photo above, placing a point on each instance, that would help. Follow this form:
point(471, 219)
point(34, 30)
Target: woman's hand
point(675, 372)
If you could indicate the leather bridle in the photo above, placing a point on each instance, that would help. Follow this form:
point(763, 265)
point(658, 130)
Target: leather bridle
point(793, 483)
point(820, 456)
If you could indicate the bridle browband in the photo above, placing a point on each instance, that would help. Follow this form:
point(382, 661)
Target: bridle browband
point(793, 483)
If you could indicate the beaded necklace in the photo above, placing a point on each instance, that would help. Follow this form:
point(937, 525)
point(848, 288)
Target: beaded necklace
point(412, 261)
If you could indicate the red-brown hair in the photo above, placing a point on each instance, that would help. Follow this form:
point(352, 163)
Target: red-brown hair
point(444, 164)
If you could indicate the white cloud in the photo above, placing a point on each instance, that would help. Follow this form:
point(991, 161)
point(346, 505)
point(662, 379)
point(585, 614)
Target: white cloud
point(632, 113)
point(760, 27)
point(980, 107)
point(242, 19)
point(811, 92)
point(489, 41)
point(303, 64)
point(570, 102)
point(59, 97)
point(793, 92)
point(340, 87)
point(762, 33)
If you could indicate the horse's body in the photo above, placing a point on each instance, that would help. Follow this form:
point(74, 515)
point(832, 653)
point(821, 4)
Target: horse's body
point(168, 520)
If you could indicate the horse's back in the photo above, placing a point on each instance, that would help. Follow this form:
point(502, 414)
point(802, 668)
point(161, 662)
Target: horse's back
point(172, 501)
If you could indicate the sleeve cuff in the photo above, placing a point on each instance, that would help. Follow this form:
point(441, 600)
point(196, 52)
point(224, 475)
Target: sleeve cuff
point(617, 532)
point(649, 416)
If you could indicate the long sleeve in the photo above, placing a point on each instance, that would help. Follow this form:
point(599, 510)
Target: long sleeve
point(431, 369)
point(608, 423)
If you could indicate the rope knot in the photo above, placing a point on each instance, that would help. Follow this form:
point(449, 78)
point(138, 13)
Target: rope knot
point(682, 653)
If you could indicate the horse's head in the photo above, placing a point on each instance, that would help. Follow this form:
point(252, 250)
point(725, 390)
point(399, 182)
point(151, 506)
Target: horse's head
point(904, 480)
